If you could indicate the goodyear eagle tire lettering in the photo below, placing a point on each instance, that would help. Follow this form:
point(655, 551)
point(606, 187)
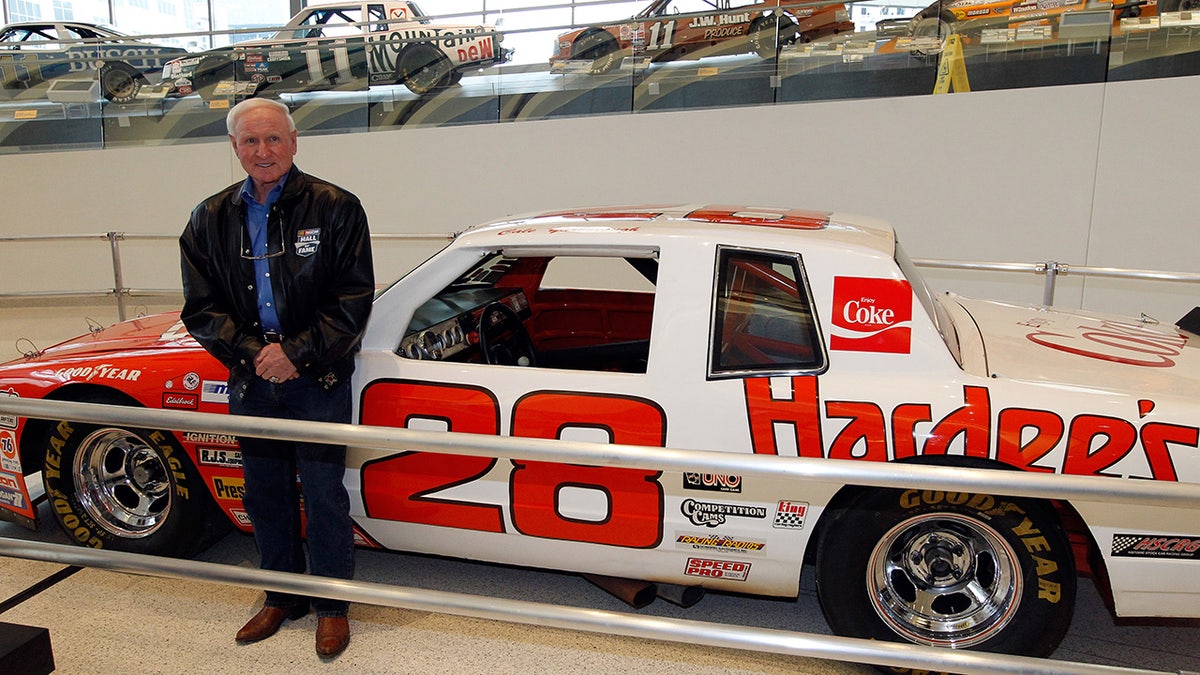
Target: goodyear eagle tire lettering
point(129, 490)
point(947, 569)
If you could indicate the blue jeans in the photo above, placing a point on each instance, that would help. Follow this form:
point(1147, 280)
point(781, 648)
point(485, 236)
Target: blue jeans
point(272, 498)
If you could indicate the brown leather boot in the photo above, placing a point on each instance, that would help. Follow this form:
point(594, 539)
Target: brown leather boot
point(268, 620)
point(333, 634)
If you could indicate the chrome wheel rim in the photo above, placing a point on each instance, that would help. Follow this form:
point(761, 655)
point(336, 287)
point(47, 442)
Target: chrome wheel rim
point(944, 580)
point(123, 483)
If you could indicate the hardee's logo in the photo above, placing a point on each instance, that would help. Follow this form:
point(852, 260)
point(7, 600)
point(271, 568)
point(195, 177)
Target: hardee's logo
point(871, 315)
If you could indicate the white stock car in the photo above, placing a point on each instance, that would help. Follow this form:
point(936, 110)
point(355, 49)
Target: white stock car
point(347, 45)
point(776, 332)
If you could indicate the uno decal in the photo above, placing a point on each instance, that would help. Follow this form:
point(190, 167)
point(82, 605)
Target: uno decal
point(1019, 437)
point(871, 315)
point(542, 495)
point(1117, 342)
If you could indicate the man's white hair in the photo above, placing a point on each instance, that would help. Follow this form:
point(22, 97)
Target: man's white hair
point(251, 104)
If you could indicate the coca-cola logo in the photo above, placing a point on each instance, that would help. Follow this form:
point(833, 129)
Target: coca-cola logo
point(871, 315)
point(1131, 344)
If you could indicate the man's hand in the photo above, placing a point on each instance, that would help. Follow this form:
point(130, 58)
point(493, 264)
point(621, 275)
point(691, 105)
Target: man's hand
point(273, 365)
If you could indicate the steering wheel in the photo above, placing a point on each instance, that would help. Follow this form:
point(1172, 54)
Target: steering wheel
point(503, 339)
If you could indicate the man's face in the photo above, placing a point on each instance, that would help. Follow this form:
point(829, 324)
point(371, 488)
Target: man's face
point(264, 145)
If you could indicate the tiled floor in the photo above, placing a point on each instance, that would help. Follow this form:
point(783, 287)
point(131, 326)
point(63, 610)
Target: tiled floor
point(105, 622)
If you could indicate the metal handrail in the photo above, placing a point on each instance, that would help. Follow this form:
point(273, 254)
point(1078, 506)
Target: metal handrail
point(387, 439)
point(119, 291)
point(685, 631)
point(839, 472)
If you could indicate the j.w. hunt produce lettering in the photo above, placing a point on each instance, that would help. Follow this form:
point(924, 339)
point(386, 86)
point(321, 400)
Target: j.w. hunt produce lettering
point(1020, 437)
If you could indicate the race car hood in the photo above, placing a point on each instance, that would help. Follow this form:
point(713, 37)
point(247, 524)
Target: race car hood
point(1080, 348)
point(157, 331)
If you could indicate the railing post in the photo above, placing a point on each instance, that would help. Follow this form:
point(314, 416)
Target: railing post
point(1052, 269)
point(119, 289)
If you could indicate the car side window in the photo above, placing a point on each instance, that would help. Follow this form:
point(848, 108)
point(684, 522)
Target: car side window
point(763, 318)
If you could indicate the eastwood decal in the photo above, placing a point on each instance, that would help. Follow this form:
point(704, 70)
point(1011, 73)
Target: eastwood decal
point(719, 542)
point(1155, 546)
point(180, 401)
point(713, 482)
point(219, 457)
point(711, 514)
point(790, 515)
point(104, 371)
point(225, 487)
point(1020, 437)
point(717, 569)
point(871, 315)
point(307, 242)
point(8, 421)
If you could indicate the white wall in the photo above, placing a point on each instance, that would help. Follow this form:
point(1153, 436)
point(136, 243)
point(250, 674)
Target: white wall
point(1089, 174)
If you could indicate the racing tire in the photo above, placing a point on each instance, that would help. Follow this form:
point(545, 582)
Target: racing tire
point(600, 48)
point(119, 82)
point(423, 69)
point(947, 569)
point(127, 489)
point(211, 70)
point(767, 36)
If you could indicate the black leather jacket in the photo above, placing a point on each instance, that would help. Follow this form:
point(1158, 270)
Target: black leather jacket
point(323, 283)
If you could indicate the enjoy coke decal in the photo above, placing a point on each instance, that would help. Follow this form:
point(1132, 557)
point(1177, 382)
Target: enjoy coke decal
point(871, 315)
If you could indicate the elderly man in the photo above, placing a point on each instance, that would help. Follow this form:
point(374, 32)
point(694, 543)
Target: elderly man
point(278, 283)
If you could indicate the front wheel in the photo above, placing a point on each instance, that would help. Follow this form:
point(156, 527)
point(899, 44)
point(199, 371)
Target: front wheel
point(119, 82)
point(423, 68)
point(947, 569)
point(599, 47)
point(124, 489)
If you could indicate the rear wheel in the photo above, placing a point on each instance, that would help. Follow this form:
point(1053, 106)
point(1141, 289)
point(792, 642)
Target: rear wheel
point(126, 489)
point(600, 48)
point(947, 569)
point(768, 34)
point(119, 82)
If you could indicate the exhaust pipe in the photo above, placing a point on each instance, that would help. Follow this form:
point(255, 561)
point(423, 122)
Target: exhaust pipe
point(636, 594)
point(684, 596)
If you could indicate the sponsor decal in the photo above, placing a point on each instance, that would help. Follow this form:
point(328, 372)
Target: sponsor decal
point(241, 517)
point(219, 457)
point(274, 78)
point(717, 569)
point(215, 439)
point(724, 32)
point(1156, 546)
point(225, 487)
point(214, 391)
point(789, 515)
point(712, 514)
point(978, 12)
point(8, 421)
point(278, 55)
point(191, 381)
point(397, 13)
point(871, 315)
point(8, 452)
point(307, 241)
point(712, 482)
point(11, 493)
point(104, 371)
point(179, 401)
point(1114, 341)
point(718, 542)
point(790, 422)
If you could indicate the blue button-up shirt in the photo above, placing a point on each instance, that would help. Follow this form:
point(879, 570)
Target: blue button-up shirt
point(257, 217)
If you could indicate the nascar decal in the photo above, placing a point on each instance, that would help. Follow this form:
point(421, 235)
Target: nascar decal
point(307, 242)
point(729, 570)
point(790, 423)
point(718, 542)
point(871, 315)
point(1116, 341)
point(713, 482)
point(714, 514)
point(1156, 546)
point(789, 515)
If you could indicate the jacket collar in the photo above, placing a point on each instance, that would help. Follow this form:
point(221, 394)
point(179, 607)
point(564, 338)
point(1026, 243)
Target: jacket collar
point(295, 184)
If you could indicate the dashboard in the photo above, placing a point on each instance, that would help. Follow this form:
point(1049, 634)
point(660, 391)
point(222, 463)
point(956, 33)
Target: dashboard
point(446, 327)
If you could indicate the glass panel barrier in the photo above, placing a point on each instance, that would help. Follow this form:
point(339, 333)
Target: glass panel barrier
point(375, 66)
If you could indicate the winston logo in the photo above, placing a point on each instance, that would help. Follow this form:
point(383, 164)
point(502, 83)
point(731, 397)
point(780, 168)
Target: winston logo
point(871, 315)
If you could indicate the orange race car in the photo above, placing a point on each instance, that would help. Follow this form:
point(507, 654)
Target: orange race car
point(674, 29)
point(966, 16)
